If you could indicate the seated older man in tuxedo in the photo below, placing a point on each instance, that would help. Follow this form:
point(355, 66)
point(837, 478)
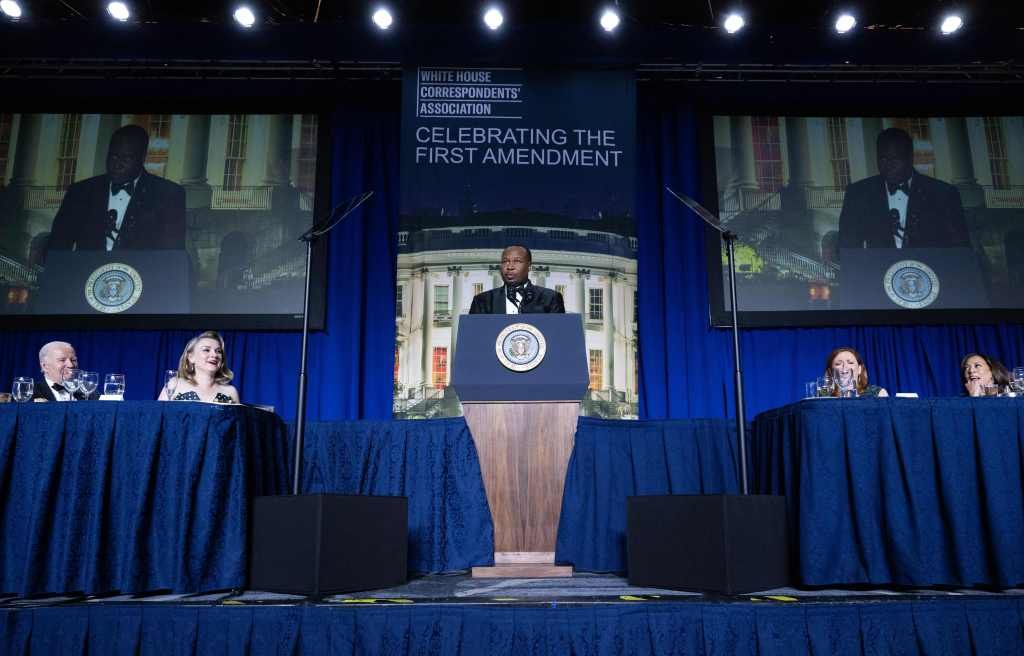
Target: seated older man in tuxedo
point(55, 358)
point(518, 295)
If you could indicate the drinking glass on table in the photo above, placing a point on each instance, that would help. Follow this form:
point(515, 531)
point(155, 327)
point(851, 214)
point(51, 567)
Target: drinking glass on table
point(811, 389)
point(825, 385)
point(89, 381)
point(1017, 380)
point(113, 385)
point(22, 389)
point(170, 382)
point(71, 379)
point(847, 384)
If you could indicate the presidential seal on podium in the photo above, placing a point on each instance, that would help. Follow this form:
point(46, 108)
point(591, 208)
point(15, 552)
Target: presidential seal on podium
point(113, 288)
point(911, 284)
point(520, 347)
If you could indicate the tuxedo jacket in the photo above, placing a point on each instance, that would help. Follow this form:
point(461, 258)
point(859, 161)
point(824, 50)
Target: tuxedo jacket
point(154, 219)
point(40, 390)
point(544, 300)
point(935, 215)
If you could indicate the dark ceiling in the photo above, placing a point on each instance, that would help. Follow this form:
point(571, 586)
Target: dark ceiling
point(872, 14)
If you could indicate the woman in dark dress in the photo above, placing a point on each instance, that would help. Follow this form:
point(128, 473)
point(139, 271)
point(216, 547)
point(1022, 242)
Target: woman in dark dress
point(845, 363)
point(981, 374)
point(203, 373)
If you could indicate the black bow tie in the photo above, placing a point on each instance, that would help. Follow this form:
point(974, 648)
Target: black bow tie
point(58, 387)
point(524, 288)
point(903, 186)
point(117, 188)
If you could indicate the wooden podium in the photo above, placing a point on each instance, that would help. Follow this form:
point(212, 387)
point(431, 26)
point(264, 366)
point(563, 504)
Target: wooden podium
point(523, 423)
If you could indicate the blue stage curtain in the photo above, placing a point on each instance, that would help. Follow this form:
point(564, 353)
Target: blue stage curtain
point(905, 491)
point(686, 366)
point(612, 460)
point(982, 626)
point(132, 496)
point(432, 462)
point(351, 361)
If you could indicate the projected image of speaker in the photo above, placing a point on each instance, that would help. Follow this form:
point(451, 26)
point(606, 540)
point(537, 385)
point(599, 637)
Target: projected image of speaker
point(320, 544)
point(721, 543)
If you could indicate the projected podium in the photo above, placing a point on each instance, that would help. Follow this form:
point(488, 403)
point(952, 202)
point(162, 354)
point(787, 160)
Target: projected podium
point(520, 379)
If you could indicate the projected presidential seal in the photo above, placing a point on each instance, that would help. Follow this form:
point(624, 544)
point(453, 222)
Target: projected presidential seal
point(911, 284)
point(520, 347)
point(113, 288)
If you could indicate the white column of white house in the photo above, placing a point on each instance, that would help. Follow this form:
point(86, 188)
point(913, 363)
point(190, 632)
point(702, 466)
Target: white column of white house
point(609, 329)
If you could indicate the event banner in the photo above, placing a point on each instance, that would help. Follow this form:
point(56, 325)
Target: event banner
point(493, 157)
point(840, 216)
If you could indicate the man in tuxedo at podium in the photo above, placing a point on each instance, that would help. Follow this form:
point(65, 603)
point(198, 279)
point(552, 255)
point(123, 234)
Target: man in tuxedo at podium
point(125, 208)
point(899, 207)
point(518, 295)
point(54, 359)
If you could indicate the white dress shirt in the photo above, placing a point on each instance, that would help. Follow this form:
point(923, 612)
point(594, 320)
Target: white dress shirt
point(59, 395)
point(510, 307)
point(119, 203)
point(899, 202)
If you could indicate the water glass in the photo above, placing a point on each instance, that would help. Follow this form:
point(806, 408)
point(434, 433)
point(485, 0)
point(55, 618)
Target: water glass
point(1017, 380)
point(113, 385)
point(825, 385)
point(811, 389)
point(88, 382)
point(170, 382)
point(22, 389)
point(71, 380)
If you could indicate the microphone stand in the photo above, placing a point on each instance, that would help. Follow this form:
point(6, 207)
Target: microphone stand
point(729, 238)
point(336, 216)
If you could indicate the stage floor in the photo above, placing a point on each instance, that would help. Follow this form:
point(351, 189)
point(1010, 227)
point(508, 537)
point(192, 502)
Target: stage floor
point(587, 614)
point(461, 588)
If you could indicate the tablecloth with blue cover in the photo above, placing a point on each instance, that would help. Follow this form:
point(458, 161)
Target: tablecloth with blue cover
point(614, 459)
point(433, 462)
point(133, 495)
point(899, 491)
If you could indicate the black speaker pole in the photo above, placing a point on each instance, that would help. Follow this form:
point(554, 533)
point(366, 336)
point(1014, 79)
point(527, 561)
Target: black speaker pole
point(336, 216)
point(729, 238)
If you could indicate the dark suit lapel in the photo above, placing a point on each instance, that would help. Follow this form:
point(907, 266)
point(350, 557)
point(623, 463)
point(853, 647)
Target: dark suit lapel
point(94, 233)
point(43, 391)
point(135, 206)
point(498, 300)
point(918, 198)
point(880, 201)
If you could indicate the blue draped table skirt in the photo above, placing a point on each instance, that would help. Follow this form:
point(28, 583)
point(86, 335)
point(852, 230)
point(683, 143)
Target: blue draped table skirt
point(612, 460)
point(899, 491)
point(132, 495)
point(989, 626)
point(433, 462)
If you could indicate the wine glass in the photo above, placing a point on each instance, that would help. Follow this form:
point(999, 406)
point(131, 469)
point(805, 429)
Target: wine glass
point(1017, 381)
point(113, 385)
point(88, 383)
point(71, 379)
point(847, 383)
point(170, 382)
point(22, 389)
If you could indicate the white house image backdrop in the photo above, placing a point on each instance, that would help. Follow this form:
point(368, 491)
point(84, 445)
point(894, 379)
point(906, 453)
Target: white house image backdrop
point(249, 182)
point(506, 156)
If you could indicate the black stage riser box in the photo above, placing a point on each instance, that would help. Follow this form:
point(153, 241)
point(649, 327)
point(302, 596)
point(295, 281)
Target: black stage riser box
point(321, 544)
point(721, 543)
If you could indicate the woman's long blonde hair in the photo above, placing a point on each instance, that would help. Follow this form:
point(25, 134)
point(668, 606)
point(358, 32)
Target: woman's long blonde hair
point(187, 371)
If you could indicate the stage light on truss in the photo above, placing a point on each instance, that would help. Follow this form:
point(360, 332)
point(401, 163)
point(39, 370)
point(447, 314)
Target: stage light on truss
point(610, 20)
point(733, 23)
point(845, 23)
point(493, 18)
point(382, 18)
point(951, 23)
point(244, 16)
point(118, 11)
point(11, 9)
